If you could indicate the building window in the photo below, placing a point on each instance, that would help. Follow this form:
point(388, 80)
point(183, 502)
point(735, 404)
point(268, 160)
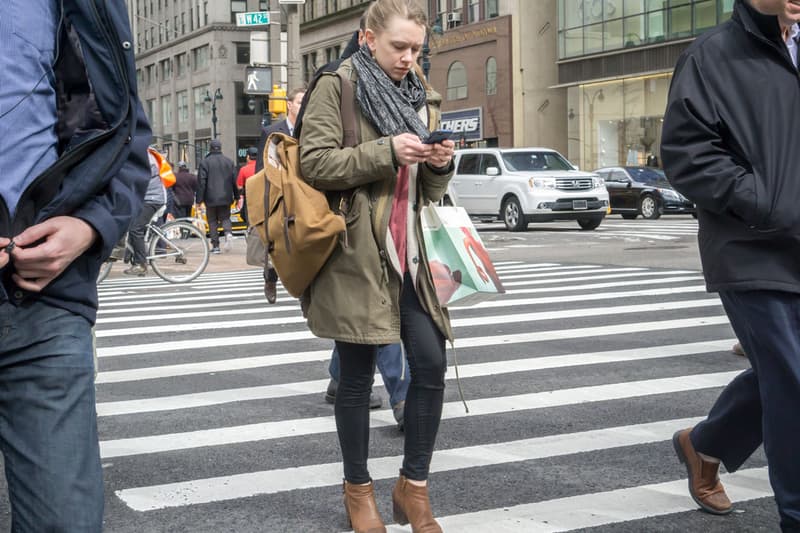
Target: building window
point(199, 97)
point(242, 53)
point(237, 6)
point(491, 76)
point(262, 5)
point(200, 58)
point(456, 81)
point(150, 74)
point(490, 9)
point(149, 108)
point(166, 110)
point(456, 16)
point(183, 107)
point(474, 10)
point(166, 70)
point(180, 62)
point(592, 26)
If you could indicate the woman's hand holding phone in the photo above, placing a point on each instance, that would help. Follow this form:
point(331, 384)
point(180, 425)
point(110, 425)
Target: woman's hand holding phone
point(442, 154)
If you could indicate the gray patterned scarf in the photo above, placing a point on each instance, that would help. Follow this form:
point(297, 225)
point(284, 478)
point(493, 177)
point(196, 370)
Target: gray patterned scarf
point(391, 108)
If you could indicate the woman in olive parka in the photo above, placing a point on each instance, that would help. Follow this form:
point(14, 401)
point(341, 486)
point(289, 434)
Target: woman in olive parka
point(376, 288)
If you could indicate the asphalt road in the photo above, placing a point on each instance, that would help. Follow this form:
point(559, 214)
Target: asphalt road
point(212, 419)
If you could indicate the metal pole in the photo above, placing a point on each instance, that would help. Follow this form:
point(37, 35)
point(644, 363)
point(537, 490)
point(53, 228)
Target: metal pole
point(294, 75)
point(214, 116)
point(426, 62)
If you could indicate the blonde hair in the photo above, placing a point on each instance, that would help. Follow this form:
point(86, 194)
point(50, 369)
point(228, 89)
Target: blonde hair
point(379, 13)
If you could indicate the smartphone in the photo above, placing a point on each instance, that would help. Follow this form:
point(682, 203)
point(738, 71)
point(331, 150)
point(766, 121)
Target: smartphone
point(438, 136)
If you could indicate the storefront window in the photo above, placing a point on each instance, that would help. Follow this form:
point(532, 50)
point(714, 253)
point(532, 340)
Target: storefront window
point(616, 123)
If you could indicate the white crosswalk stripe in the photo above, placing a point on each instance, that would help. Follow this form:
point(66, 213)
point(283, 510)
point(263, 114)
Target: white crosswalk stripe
point(210, 400)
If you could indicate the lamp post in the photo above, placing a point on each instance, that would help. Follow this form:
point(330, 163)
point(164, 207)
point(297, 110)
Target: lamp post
point(213, 100)
point(426, 49)
point(597, 95)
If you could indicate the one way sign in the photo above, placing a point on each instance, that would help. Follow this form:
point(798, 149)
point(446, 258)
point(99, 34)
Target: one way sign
point(258, 80)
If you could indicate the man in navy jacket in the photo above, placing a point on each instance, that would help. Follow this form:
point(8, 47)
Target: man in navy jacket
point(730, 145)
point(74, 170)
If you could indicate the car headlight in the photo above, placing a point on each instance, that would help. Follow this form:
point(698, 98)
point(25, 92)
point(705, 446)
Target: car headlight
point(598, 182)
point(542, 183)
point(670, 194)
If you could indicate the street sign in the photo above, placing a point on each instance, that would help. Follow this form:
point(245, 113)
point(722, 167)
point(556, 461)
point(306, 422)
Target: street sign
point(252, 18)
point(258, 80)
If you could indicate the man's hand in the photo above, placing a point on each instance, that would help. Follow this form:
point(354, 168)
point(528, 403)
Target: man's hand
point(44, 251)
point(409, 150)
point(4, 241)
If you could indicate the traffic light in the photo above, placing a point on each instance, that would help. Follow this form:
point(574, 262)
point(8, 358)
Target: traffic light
point(277, 100)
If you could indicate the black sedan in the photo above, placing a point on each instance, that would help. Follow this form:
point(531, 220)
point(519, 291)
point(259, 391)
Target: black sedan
point(644, 191)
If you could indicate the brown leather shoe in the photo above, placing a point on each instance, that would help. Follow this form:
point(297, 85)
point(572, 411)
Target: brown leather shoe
point(411, 504)
point(704, 485)
point(362, 512)
point(271, 291)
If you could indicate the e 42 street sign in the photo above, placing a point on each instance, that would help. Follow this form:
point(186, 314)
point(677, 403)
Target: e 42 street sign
point(252, 18)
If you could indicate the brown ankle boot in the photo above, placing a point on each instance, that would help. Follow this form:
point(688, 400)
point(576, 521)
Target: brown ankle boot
point(411, 504)
point(362, 512)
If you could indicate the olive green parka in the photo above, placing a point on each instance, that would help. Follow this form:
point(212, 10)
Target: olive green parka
point(356, 296)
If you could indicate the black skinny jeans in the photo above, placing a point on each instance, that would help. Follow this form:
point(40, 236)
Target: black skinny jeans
point(425, 348)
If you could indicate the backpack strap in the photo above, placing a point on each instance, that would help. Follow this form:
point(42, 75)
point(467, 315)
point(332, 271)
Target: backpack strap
point(348, 113)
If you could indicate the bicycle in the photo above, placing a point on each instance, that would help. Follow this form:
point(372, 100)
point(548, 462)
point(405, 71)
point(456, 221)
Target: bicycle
point(177, 251)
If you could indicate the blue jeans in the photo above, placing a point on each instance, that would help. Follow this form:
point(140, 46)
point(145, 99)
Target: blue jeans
point(392, 365)
point(48, 422)
point(760, 404)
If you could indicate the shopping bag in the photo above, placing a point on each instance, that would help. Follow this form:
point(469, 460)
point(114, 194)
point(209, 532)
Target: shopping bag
point(460, 266)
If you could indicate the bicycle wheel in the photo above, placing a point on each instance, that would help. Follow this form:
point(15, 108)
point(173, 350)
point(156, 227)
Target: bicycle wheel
point(105, 269)
point(181, 254)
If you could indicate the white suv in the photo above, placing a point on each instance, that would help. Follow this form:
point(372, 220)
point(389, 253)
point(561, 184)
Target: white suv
point(525, 185)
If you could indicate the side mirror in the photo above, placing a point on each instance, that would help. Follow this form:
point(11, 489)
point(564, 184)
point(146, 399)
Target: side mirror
point(575, 167)
point(629, 184)
point(492, 171)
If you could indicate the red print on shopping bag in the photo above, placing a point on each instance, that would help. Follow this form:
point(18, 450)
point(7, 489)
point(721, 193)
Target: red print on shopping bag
point(445, 281)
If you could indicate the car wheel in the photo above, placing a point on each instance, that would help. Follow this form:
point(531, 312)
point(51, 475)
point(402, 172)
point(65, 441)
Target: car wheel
point(588, 224)
point(513, 217)
point(630, 216)
point(649, 208)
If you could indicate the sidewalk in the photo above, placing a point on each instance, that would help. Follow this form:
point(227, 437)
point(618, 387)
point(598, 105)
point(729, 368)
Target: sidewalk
point(224, 262)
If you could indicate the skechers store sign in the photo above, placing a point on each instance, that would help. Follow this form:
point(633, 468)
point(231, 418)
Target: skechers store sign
point(466, 123)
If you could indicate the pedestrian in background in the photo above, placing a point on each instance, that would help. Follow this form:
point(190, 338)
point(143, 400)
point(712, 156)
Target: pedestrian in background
point(184, 191)
point(154, 199)
point(377, 290)
point(217, 190)
point(730, 145)
point(61, 212)
point(294, 102)
point(245, 173)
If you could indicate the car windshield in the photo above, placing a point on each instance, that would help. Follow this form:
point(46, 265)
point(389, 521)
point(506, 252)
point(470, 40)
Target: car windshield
point(535, 161)
point(651, 176)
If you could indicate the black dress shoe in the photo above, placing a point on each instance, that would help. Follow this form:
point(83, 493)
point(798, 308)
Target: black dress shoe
point(271, 291)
